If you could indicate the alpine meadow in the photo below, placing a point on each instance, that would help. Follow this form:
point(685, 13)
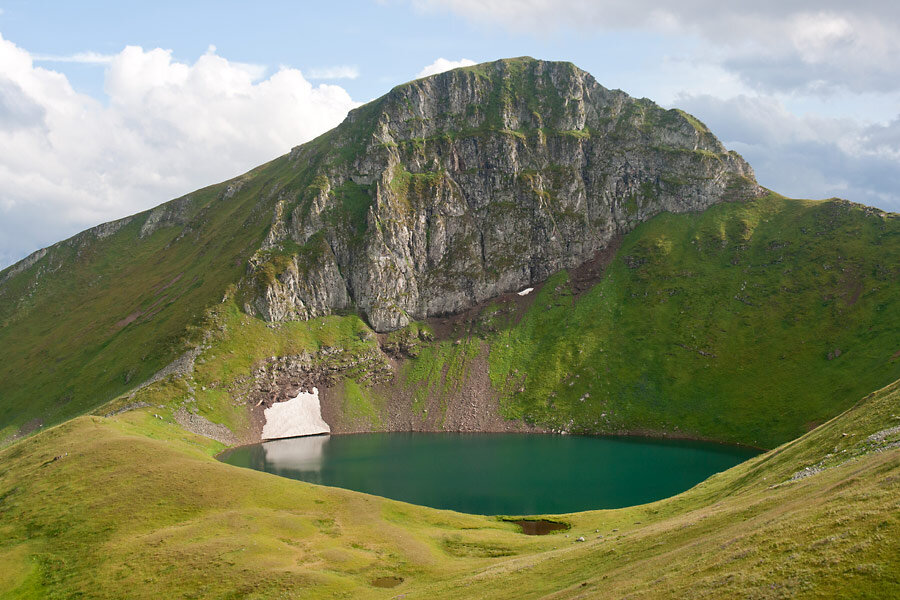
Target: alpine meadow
point(505, 247)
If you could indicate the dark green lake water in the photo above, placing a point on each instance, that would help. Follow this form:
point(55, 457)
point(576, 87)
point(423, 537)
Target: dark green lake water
point(484, 473)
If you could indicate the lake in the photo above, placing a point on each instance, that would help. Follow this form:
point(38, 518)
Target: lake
point(484, 473)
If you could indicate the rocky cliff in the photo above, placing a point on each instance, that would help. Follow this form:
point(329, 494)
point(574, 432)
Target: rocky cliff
point(446, 191)
point(455, 188)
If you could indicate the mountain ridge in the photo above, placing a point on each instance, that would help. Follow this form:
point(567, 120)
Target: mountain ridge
point(440, 183)
point(134, 352)
point(403, 212)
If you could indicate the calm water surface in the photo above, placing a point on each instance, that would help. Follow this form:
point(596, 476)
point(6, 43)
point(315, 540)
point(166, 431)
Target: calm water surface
point(495, 473)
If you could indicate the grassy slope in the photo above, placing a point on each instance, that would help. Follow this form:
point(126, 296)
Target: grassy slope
point(238, 343)
point(749, 532)
point(652, 347)
point(100, 315)
point(65, 327)
point(716, 325)
point(134, 503)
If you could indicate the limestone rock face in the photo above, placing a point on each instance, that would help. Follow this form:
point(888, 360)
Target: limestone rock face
point(455, 188)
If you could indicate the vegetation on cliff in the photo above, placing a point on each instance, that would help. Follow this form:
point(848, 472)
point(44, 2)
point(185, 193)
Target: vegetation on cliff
point(380, 262)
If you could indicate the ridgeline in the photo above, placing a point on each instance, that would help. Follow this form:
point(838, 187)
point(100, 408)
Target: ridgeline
point(381, 262)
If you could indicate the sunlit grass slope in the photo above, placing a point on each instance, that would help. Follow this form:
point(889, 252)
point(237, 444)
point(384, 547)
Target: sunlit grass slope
point(235, 344)
point(100, 313)
point(134, 506)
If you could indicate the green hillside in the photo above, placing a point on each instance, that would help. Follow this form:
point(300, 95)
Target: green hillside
point(747, 323)
point(99, 314)
point(101, 507)
point(750, 322)
point(672, 296)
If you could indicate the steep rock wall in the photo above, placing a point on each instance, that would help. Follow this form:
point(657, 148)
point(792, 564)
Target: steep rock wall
point(458, 187)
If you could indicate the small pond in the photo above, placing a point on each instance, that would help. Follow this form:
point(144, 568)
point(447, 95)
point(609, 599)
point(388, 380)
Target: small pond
point(483, 473)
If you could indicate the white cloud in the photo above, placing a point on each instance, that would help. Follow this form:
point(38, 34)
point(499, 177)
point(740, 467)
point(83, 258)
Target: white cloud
point(778, 79)
point(807, 156)
point(442, 64)
point(334, 72)
point(69, 162)
point(93, 58)
point(807, 45)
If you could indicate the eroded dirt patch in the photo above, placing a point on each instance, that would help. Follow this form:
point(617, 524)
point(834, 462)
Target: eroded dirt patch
point(539, 526)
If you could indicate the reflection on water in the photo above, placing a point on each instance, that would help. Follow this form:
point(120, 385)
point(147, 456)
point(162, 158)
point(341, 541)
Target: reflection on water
point(302, 454)
point(495, 473)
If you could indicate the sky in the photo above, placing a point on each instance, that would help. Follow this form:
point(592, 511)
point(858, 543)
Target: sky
point(110, 108)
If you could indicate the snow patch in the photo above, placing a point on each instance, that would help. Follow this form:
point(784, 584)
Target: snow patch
point(298, 416)
point(525, 292)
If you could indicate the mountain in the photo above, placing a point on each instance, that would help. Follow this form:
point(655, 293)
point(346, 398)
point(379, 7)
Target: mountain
point(456, 188)
point(503, 247)
point(441, 195)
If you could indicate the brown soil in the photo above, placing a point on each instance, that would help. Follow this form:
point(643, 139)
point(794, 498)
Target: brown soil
point(29, 426)
point(451, 327)
point(591, 272)
point(166, 286)
point(539, 526)
point(855, 294)
point(257, 422)
point(129, 319)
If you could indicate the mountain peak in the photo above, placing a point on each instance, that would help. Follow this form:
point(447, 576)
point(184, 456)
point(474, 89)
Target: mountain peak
point(481, 180)
point(444, 193)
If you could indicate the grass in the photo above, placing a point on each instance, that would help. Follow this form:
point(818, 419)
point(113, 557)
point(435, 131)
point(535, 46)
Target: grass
point(135, 503)
point(353, 205)
point(360, 404)
point(100, 315)
point(438, 369)
point(237, 344)
point(747, 323)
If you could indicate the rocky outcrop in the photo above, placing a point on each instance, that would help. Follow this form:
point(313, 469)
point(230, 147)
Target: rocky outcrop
point(281, 378)
point(202, 426)
point(459, 187)
point(166, 215)
point(23, 265)
point(77, 242)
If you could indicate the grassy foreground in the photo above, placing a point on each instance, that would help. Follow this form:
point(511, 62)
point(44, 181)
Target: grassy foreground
point(132, 505)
